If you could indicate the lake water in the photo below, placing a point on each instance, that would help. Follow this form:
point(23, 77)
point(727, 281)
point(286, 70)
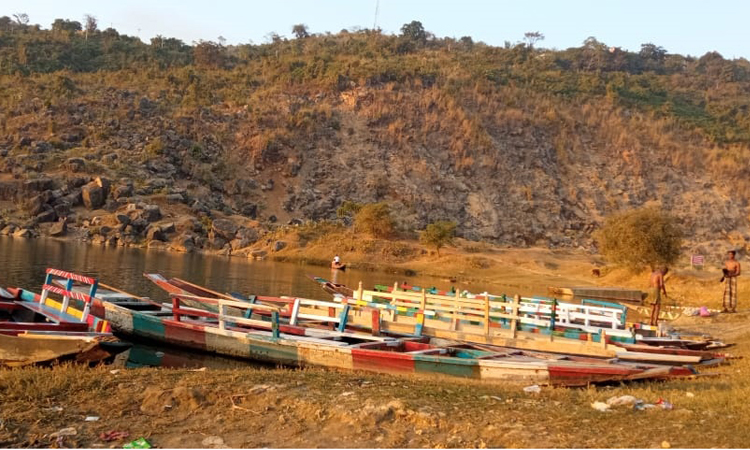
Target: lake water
point(23, 264)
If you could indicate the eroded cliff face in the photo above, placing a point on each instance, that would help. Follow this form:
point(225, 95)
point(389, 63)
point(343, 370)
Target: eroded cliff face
point(518, 171)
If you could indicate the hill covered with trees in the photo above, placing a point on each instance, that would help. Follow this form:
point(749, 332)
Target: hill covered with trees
point(517, 144)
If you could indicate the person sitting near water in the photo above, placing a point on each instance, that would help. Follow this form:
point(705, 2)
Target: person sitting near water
point(336, 263)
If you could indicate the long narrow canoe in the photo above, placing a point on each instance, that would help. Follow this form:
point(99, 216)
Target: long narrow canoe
point(302, 344)
point(364, 318)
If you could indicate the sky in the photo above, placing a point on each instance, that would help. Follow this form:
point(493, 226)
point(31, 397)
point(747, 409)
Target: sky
point(688, 27)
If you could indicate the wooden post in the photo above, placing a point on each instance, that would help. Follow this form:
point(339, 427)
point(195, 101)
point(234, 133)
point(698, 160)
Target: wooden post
point(487, 314)
point(175, 308)
point(295, 312)
point(454, 321)
point(514, 314)
point(603, 338)
point(275, 324)
point(66, 297)
point(87, 305)
point(552, 318)
point(360, 293)
point(249, 311)
point(375, 322)
point(343, 318)
point(395, 286)
point(45, 292)
point(419, 325)
point(222, 314)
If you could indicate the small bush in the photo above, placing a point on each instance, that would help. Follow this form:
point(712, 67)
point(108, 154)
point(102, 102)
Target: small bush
point(640, 238)
point(374, 219)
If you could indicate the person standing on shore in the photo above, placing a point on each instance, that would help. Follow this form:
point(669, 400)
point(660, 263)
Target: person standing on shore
point(731, 271)
point(658, 287)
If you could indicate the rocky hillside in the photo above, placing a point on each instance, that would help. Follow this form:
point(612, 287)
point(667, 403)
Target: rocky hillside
point(212, 146)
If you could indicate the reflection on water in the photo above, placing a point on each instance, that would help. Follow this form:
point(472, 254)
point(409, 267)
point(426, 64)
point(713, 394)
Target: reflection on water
point(146, 355)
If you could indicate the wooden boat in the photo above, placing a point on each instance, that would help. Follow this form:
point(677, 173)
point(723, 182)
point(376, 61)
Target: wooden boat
point(601, 292)
point(571, 315)
point(392, 318)
point(26, 348)
point(38, 329)
point(304, 341)
point(480, 320)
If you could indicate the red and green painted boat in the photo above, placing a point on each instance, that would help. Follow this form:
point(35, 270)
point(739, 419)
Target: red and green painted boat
point(37, 329)
point(302, 343)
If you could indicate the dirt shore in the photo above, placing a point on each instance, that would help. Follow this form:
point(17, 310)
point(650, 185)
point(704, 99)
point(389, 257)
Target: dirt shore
point(318, 408)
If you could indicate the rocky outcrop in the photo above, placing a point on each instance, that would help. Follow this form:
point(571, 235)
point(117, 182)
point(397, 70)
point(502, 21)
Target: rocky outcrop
point(92, 195)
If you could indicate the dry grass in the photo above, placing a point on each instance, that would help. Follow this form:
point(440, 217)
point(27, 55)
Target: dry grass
point(318, 408)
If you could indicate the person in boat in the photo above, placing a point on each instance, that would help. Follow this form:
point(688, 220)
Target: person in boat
point(731, 271)
point(658, 287)
point(336, 263)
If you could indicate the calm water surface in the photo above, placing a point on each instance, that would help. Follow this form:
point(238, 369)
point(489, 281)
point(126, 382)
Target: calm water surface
point(23, 262)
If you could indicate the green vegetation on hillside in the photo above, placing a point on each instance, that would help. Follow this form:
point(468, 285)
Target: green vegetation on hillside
point(423, 116)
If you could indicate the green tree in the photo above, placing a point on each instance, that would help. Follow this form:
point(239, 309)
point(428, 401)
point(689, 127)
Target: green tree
point(532, 37)
point(68, 26)
point(414, 31)
point(640, 238)
point(375, 219)
point(300, 31)
point(438, 234)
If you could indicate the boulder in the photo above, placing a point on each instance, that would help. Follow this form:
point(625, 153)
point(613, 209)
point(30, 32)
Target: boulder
point(122, 191)
point(122, 219)
point(151, 213)
point(184, 243)
point(188, 225)
point(76, 182)
point(8, 230)
point(62, 209)
point(103, 183)
point(93, 195)
point(24, 233)
point(139, 225)
point(48, 215)
point(75, 164)
point(248, 235)
point(75, 198)
point(168, 228)
point(279, 245)
point(217, 242)
point(38, 185)
point(155, 233)
point(36, 204)
point(59, 228)
point(224, 228)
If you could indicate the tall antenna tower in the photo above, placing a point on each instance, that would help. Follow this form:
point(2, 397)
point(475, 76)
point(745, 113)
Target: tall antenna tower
point(377, 7)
